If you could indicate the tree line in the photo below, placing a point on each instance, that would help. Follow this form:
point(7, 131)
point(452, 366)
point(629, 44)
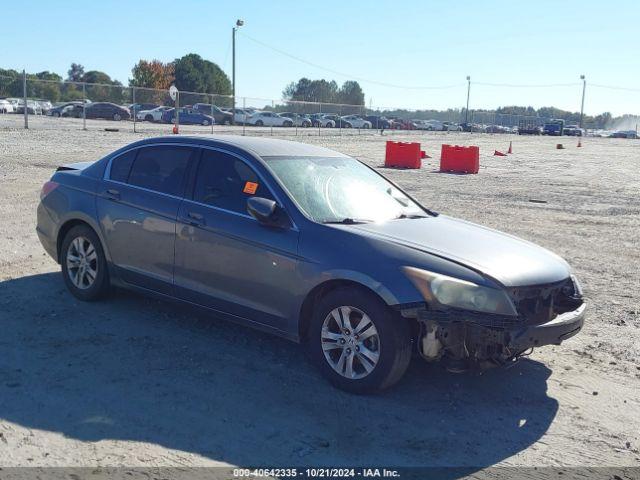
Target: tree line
point(192, 73)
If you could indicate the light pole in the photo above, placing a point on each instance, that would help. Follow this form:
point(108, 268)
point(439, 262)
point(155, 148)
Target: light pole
point(239, 23)
point(466, 113)
point(584, 87)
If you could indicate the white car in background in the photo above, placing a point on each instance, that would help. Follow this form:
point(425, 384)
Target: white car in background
point(355, 121)
point(153, 115)
point(269, 119)
point(452, 127)
point(241, 115)
point(6, 106)
point(434, 125)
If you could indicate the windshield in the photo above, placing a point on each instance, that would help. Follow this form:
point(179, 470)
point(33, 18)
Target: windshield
point(339, 189)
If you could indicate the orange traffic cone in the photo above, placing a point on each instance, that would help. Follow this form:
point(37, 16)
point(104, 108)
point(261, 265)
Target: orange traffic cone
point(510, 147)
point(579, 142)
point(175, 130)
point(499, 154)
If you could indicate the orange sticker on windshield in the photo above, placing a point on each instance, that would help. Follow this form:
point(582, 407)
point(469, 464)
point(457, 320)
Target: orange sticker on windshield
point(250, 188)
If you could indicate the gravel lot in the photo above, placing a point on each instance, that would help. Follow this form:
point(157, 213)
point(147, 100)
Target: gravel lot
point(136, 382)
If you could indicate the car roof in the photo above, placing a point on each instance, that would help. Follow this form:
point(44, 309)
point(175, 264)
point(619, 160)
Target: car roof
point(263, 147)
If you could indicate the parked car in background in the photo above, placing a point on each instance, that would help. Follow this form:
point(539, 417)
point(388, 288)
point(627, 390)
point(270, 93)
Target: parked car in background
point(319, 120)
point(553, 128)
point(6, 106)
point(45, 106)
point(152, 115)
point(269, 119)
point(299, 119)
point(338, 121)
point(107, 111)
point(15, 102)
point(573, 131)
point(365, 278)
point(220, 116)
point(188, 116)
point(378, 121)
point(241, 116)
point(135, 108)
point(431, 125)
point(58, 109)
point(529, 126)
point(33, 107)
point(452, 127)
point(624, 134)
point(356, 121)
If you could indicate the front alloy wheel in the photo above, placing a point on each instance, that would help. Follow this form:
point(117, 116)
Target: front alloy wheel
point(350, 342)
point(357, 341)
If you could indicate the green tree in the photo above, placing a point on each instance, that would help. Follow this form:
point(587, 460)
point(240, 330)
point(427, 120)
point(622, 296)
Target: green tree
point(351, 93)
point(195, 74)
point(75, 73)
point(103, 89)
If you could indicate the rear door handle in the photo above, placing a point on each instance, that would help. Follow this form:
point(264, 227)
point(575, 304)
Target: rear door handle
point(112, 194)
point(195, 218)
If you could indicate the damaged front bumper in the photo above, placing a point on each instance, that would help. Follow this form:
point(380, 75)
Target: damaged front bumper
point(553, 332)
point(488, 340)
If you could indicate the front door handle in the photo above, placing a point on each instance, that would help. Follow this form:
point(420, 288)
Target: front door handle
point(195, 218)
point(112, 194)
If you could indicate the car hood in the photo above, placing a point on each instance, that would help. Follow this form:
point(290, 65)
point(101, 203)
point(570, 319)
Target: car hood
point(505, 258)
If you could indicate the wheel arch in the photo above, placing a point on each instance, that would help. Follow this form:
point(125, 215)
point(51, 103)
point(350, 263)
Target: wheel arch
point(74, 222)
point(322, 289)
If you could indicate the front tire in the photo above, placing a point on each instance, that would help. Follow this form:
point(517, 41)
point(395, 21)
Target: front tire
point(117, 117)
point(84, 265)
point(359, 344)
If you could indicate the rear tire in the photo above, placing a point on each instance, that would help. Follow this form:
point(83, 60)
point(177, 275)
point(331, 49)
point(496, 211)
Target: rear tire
point(84, 265)
point(259, 123)
point(117, 117)
point(389, 346)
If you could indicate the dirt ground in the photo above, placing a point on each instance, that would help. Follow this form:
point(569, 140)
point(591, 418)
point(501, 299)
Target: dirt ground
point(137, 382)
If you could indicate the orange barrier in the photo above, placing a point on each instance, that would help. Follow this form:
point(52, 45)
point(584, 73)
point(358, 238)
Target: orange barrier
point(403, 155)
point(454, 158)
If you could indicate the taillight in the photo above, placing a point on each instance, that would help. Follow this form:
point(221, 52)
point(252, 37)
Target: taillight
point(47, 188)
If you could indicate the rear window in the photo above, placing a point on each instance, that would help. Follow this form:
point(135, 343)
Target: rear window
point(161, 168)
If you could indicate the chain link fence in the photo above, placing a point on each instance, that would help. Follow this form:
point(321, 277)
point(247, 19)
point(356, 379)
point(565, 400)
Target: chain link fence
point(40, 104)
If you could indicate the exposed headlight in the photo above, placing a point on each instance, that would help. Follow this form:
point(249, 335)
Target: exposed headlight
point(444, 290)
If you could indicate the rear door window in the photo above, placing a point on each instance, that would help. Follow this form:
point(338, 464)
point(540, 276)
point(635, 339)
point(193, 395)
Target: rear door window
point(226, 182)
point(121, 166)
point(161, 168)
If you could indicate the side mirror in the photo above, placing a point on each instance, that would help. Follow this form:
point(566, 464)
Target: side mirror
point(265, 211)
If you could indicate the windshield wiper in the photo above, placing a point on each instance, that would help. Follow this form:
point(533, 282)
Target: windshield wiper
point(348, 221)
point(404, 215)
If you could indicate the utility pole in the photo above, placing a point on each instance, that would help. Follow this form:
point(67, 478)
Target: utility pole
point(584, 87)
point(466, 112)
point(239, 23)
point(24, 99)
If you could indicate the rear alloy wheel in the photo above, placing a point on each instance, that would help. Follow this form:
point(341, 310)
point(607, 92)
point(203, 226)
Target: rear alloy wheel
point(84, 266)
point(205, 122)
point(358, 342)
point(117, 117)
point(149, 118)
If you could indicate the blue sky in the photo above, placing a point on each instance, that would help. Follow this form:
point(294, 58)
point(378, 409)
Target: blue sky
point(408, 43)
